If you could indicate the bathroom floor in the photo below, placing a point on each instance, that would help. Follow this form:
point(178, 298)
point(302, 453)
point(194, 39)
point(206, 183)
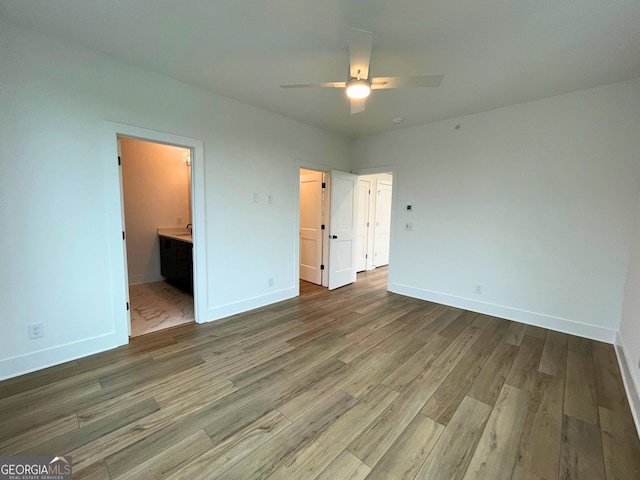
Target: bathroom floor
point(158, 305)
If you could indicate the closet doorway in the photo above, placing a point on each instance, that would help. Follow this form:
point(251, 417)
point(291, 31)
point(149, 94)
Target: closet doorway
point(312, 226)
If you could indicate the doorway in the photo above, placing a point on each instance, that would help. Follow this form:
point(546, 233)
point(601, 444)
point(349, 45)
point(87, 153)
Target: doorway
point(368, 199)
point(312, 226)
point(375, 193)
point(157, 209)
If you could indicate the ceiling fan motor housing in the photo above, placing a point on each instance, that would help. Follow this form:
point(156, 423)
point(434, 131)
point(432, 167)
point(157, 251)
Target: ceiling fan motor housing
point(358, 88)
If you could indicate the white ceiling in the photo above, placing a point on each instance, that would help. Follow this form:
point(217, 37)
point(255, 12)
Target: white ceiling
point(493, 53)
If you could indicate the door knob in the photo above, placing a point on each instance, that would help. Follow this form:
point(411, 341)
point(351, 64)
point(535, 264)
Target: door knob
point(334, 236)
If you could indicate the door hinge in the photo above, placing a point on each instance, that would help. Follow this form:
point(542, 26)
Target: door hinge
point(324, 185)
point(123, 235)
point(119, 160)
point(367, 224)
point(321, 267)
point(321, 227)
point(127, 305)
point(366, 256)
point(369, 191)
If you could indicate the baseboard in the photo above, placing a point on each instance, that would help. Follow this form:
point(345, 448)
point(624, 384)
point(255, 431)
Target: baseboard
point(523, 316)
point(30, 362)
point(233, 308)
point(631, 386)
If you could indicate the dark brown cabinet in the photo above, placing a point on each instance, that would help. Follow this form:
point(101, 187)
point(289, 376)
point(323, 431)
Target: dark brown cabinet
point(176, 262)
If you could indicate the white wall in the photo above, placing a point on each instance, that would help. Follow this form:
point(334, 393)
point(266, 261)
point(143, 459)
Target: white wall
point(535, 202)
point(58, 202)
point(628, 341)
point(155, 184)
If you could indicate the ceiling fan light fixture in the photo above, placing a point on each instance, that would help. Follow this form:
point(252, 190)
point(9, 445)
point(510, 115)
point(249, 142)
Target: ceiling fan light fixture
point(358, 88)
point(359, 79)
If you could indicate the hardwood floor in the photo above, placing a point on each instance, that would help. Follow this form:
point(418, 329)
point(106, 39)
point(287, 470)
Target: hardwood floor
point(352, 384)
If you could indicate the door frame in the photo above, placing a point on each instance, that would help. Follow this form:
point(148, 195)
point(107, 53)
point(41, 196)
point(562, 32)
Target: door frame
point(393, 170)
point(368, 220)
point(380, 185)
point(320, 231)
point(115, 218)
point(296, 218)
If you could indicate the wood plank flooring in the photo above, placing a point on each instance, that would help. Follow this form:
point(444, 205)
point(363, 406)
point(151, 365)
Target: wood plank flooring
point(356, 384)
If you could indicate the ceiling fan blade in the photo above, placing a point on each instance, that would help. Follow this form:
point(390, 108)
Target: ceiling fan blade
point(378, 83)
point(357, 105)
point(313, 85)
point(360, 43)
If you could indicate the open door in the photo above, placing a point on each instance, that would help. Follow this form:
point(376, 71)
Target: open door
point(311, 226)
point(124, 243)
point(343, 229)
point(383, 224)
point(362, 245)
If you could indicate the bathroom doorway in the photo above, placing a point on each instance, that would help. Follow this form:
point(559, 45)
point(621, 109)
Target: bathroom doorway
point(157, 195)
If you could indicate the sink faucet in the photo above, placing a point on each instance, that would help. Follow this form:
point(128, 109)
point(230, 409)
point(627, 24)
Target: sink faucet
point(189, 227)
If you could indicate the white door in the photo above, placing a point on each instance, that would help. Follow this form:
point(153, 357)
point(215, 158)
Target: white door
point(310, 227)
point(362, 245)
point(344, 229)
point(124, 243)
point(383, 224)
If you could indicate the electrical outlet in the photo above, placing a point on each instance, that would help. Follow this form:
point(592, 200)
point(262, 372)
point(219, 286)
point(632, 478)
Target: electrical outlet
point(270, 282)
point(270, 199)
point(408, 227)
point(179, 221)
point(36, 330)
point(478, 289)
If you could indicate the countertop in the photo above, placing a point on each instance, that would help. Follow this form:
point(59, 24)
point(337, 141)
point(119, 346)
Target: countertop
point(181, 234)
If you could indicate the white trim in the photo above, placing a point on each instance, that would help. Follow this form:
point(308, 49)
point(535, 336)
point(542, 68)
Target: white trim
point(233, 308)
point(326, 220)
point(124, 244)
point(115, 220)
point(630, 384)
point(33, 361)
point(296, 229)
point(523, 316)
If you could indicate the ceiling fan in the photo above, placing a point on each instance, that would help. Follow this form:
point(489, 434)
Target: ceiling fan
point(359, 83)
